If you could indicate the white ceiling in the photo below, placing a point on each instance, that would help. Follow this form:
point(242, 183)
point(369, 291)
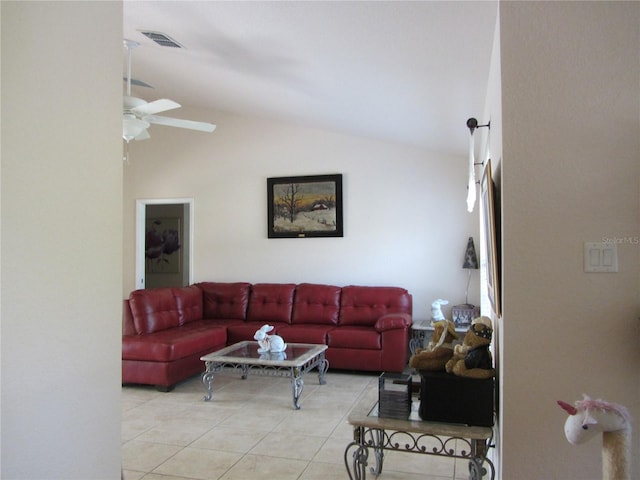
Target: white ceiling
point(401, 71)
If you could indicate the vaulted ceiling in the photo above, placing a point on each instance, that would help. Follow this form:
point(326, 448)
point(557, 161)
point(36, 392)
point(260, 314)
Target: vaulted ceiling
point(402, 71)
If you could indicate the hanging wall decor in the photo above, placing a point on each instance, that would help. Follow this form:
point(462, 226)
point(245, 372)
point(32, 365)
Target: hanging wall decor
point(491, 216)
point(306, 206)
point(162, 245)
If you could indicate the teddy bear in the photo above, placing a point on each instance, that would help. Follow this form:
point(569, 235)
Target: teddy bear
point(439, 350)
point(473, 359)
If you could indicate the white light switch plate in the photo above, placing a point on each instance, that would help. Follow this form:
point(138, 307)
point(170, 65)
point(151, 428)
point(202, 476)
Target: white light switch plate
point(600, 257)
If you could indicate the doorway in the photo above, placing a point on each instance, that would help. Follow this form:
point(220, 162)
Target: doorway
point(164, 242)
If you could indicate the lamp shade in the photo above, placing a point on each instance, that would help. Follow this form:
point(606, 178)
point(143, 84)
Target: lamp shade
point(470, 258)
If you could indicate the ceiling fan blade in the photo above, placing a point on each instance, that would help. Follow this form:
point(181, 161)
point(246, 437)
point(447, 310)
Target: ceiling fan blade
point(138, 83)
point(157, 106)
point(180, 123)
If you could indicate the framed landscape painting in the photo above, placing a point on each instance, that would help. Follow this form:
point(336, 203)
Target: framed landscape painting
point(306, 206)
point(491, 225)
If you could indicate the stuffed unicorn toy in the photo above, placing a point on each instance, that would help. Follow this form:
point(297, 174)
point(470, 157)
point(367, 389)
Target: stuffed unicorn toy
point(590, 417)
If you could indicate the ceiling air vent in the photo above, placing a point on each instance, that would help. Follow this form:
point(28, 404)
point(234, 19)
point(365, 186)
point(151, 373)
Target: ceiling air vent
point(161, 39)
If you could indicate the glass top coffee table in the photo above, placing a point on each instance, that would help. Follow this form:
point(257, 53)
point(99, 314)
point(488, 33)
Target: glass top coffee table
point(294, 362)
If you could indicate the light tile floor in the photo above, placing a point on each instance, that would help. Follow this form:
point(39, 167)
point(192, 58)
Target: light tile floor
point(251, 430)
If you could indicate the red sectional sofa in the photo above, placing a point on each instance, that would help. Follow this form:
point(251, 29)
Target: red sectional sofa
point(167, 330)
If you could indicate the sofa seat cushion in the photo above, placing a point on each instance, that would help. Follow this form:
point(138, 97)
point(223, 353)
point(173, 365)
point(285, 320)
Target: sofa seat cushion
point(271, 302)
point(246, 330)
point(317, 304)
point(354, 337)
point(305, 333)
point(153, 310)
point(225, 300)
point(175, 343)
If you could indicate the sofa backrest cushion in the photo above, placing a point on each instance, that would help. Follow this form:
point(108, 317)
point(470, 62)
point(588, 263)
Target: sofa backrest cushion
point(364, 305)
point(225, 300)
point(317, 304)
point(153, 310)
point(271, 302)
point(189, 303)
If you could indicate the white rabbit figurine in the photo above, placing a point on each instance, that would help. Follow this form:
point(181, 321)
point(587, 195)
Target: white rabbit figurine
point(269, 343)
point(436, 311)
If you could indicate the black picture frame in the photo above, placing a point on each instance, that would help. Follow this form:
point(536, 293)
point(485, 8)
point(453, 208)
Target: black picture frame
point(304, 206)
point(490, 216)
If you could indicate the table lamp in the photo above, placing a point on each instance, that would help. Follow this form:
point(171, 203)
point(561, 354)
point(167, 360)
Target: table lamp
point(470, 263)
point(464, 314)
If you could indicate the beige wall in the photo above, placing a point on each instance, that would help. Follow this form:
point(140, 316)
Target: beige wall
point(570, 168)
point(61, 240)
point(493, 145)
point(405, 217)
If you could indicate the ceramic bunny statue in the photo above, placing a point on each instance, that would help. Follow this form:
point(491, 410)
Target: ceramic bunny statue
point(269, 343)
point(436, 310)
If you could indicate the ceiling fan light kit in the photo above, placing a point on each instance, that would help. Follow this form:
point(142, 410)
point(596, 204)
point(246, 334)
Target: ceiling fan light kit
point(138, 114)
point(132, 127)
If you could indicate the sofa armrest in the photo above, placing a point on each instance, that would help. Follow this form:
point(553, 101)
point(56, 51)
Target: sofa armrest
point(392, 321)
point(128, 327)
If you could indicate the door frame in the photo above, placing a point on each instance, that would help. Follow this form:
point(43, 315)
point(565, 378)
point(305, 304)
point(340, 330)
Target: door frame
point(141, 219)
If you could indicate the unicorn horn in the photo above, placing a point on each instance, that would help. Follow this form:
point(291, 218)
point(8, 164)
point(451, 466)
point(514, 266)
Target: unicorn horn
point(570, 409)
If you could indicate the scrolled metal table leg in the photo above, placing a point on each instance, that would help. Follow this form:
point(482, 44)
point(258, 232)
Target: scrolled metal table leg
point(357, 462)
point(297, 385)
point(416, 341)
point(377, 440)
point(477, 470)
point(323, 366)
point(207, 381)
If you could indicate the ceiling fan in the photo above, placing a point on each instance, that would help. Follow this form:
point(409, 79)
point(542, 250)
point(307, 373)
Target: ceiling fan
point(138, 114)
